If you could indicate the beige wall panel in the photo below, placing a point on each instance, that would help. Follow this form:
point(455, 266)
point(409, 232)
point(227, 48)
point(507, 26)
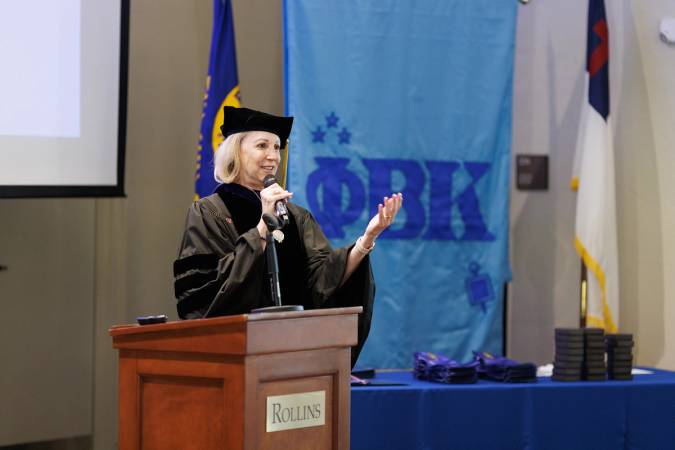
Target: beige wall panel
point(258, 29)
point(169, 46)
point(46, 323)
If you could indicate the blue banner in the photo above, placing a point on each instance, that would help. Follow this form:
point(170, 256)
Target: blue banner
point(412, 97)
point(222, 88)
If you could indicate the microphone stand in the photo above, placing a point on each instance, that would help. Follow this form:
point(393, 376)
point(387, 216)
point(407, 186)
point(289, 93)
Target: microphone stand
point(272, 224)
point(273, 268)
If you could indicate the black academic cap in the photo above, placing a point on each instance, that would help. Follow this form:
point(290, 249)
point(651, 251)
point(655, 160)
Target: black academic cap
point(238, 120)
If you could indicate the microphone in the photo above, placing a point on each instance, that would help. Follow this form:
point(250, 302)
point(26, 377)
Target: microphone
point(280, 205)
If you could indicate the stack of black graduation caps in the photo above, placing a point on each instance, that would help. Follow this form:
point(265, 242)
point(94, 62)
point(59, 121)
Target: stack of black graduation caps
point(619, 356)
point(569, 354)
point(593, 368)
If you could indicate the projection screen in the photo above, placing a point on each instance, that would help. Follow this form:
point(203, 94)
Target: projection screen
point(63, 97)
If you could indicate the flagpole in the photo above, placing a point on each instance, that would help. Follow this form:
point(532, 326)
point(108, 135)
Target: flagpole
point(583, 300)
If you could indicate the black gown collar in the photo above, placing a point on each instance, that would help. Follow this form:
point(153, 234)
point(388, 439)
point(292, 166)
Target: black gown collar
point(239, 191)
point(243, 204)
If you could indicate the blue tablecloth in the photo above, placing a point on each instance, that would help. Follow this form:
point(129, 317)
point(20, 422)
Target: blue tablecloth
point(547, 415)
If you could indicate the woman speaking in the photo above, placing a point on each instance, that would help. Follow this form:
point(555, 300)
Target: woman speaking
point(221, 266)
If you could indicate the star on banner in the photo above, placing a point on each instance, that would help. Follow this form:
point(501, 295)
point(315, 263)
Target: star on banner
point(318, 135)
point(332, 120)
point(344, 136)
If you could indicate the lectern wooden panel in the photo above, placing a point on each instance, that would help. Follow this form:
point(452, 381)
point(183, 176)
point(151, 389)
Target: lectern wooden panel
point(256, 381)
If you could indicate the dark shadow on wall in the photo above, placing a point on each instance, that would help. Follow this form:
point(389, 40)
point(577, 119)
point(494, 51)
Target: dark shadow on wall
point(565, 262)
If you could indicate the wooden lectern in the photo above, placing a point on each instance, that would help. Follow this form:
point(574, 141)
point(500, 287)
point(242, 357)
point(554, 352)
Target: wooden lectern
point(254, 381)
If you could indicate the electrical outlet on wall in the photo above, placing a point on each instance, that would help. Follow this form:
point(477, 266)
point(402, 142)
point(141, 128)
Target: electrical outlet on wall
point(532, 172)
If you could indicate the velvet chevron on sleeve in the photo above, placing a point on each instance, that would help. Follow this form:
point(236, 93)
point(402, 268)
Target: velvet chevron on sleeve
point(217, 271)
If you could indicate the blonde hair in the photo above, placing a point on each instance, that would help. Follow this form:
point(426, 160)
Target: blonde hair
point(227, 160)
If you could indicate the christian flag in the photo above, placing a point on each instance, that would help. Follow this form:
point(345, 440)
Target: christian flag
point(222, 88)
point(593, 178)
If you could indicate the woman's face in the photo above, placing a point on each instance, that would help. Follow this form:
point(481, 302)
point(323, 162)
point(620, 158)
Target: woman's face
point(260, 156)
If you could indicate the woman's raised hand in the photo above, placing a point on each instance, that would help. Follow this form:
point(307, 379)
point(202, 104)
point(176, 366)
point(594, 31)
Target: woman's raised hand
point(386, 212)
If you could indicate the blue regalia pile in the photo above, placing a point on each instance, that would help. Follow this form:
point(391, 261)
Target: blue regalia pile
point(441, 369)
point(499, 368)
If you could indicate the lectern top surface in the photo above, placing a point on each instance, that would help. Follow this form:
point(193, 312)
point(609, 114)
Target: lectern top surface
point(118, 330)
point(307, 313)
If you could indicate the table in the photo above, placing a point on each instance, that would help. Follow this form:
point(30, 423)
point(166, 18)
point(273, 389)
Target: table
point(617, 415)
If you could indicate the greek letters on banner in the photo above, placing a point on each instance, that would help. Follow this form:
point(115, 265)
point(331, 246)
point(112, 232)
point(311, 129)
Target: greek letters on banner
point(411, 97)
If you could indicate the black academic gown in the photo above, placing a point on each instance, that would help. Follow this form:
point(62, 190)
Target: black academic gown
point(221, 264)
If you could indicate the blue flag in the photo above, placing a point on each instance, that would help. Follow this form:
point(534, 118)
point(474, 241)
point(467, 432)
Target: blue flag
point(411, 97)
point(222, 88)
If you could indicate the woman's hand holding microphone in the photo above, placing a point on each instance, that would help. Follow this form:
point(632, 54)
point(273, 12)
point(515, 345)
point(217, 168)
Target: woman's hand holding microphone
point(269, 196)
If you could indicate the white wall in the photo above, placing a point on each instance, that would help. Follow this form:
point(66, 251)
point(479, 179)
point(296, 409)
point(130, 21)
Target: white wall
point(648, 217)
